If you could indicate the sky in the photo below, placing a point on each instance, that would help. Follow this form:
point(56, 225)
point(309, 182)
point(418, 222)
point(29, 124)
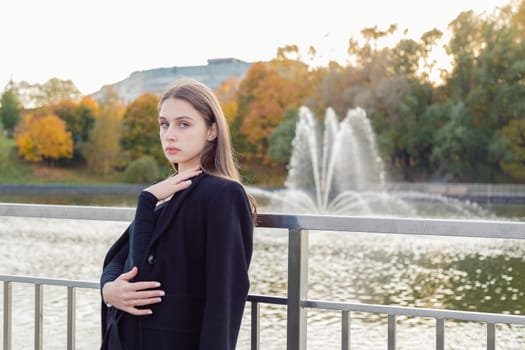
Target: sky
point(100, 42)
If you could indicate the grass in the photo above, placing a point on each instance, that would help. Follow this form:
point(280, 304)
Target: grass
point(24, 173)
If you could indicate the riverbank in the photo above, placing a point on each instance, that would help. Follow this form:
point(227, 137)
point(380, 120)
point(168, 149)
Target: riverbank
point(16, 171)
point(71, 194)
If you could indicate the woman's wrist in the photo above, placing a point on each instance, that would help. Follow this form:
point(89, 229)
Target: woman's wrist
point(148, 195)
point(104, 292)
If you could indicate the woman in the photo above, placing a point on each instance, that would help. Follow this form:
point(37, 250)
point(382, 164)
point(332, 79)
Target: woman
point(178, 277)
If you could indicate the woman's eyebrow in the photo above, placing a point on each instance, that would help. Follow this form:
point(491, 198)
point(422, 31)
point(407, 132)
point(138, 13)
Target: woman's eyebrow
point(183, 117)
point(176, 118)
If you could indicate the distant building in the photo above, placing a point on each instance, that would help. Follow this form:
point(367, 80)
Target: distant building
point(157, 80)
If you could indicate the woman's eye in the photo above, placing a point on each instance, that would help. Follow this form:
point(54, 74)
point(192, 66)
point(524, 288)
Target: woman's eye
point(164, 125)
point(184, 125)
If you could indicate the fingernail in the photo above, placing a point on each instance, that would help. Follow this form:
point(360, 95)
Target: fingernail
point(157, 284)
point(159, 300)
point(162, 293)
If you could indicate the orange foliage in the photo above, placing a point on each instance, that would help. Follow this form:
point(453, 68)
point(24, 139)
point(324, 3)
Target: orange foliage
point(265, 96)
point(227, 95)
point(44, 137)
point(89, 103)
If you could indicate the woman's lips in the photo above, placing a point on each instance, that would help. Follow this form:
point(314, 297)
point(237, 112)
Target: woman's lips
point(172, 150)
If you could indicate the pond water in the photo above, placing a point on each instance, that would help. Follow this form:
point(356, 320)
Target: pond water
point(433, 272)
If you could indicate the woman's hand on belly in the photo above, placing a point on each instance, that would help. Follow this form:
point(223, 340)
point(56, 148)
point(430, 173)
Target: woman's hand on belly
point(131, 296)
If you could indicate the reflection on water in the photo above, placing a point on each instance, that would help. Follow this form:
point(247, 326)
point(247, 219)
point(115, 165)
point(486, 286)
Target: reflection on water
point(434, 272)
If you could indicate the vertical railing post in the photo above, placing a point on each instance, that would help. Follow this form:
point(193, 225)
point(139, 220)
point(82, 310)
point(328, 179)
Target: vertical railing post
point(491, 336)
point(8, 294)
point(391, 332)
point(71, 319)
point(297, 288)
point(256, 326)
point(39, 312)
point(440, 334)
point(345, 330)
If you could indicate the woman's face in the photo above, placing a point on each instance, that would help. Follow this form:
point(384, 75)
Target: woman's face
point(183, 133)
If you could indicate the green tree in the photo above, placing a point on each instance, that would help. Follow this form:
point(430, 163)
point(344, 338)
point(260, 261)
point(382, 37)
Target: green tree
point(143, 170)
point(281, 138)
point(514, 139)
point(4, 149)
point(409, 133)
point(459, 148)
point(489, 64)
point(140, 134)
point(80, 120)
point(10, 110)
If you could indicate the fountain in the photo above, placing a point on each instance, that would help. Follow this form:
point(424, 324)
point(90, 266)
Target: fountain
point(337, 170)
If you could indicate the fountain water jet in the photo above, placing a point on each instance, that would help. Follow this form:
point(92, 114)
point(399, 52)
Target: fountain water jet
point(337, 170)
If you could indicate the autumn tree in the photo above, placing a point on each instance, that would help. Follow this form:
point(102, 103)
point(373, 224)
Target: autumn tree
point(140, 134)
point(226, 93)
point(518, 19)
point(44, 138)
point(262, 103)
point(104, 153)
point(266, 93)
point(330, 90)
point(290, 65)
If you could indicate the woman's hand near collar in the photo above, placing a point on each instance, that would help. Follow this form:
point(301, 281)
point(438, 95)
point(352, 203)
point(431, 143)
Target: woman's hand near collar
point(127, 296)
point(173, 184)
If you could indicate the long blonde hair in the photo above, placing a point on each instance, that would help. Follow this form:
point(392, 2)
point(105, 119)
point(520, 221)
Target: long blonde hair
point(217, 157)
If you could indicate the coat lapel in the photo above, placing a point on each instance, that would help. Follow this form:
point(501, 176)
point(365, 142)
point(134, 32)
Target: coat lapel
point(171, 210)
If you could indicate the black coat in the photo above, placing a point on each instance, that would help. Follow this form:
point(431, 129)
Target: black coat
point(200, 252)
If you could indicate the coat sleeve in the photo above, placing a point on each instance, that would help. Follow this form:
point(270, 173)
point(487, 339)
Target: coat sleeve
point(115, 258)
point(228, 254)
point(143, 226)
point(112, 268)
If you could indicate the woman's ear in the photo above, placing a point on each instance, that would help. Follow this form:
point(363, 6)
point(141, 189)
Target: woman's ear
point(212, 132)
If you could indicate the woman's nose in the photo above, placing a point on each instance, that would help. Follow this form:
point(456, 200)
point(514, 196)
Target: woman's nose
point(170, 134)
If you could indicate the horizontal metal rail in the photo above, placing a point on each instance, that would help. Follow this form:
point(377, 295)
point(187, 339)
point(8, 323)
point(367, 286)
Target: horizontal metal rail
point(296, 301)
point(50, 281)
point(406, 226)
point(419, 312)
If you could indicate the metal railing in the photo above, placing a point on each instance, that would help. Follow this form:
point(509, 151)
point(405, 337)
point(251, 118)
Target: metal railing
point(39, 306)
point(296, 301)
